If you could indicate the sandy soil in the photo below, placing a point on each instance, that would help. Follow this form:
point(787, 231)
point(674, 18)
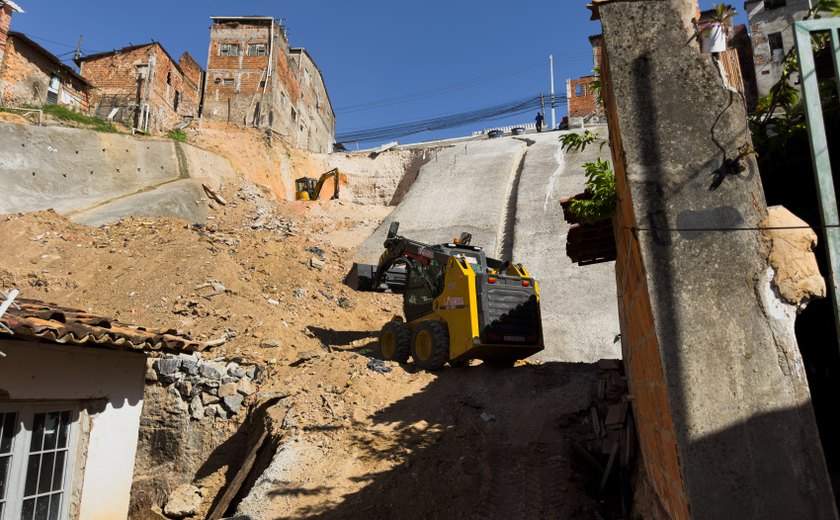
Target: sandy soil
point(471, 442)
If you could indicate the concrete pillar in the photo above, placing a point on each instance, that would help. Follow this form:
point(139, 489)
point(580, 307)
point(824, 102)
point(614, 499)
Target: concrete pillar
point(721, 399)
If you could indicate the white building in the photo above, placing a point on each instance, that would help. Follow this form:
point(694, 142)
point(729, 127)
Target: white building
point(71, 394)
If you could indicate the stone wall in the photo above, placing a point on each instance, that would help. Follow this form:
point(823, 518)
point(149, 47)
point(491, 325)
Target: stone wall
point(725, 424)
point(192, 407)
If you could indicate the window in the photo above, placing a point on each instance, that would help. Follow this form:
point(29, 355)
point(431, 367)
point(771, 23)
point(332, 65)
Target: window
point(176, 101)
point(777, 46)
point(317, 100)
point(262, 84)
point(773, 4)
point(294, 114)
point(256, 49)
point(578, 90)
point(229, 49)
point(227, 82)
point(36, 459)
point(169, 78)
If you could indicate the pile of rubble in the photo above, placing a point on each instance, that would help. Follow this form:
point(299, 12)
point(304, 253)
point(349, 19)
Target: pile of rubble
point(204, 388)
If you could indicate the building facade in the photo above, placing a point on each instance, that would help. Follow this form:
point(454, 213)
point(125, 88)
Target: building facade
point(143, 87)
point(772, 37)
point(71, 396)
point(6, 10)
point(31, 75)
point(254, 78)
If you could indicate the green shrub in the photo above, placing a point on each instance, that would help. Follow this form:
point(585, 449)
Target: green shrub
point(576, 142)
point(600, 186)
point(177, 135)
point(63, 113)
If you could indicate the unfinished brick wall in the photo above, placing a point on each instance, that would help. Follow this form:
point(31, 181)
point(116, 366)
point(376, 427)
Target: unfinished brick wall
point(640, 350)
point(144, 76)
point(581, 96)
point(284, 91)
point(25, 78)
point(5, 25)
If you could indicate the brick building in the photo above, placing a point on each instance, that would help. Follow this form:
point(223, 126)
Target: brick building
point(580, 95)
point(31, 75)
point(254, 78)
point(772, 36)
point(6, 10)
point(143, 87)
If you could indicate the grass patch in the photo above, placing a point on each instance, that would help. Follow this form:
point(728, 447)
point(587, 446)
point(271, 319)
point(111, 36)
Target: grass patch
point(177, 135)
point(63, 113)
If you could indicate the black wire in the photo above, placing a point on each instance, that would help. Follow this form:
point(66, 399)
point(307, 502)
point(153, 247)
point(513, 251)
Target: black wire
point(452, 87)
point(442, 122)
point(635, 229)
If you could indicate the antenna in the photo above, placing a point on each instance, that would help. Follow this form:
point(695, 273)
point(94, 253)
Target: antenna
point(78, 54)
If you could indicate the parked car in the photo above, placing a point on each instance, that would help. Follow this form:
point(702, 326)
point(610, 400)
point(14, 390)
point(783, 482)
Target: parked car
point(519, 130)
point(495, 133)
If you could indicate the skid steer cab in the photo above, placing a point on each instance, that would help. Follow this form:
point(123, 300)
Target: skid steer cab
point(458, 303)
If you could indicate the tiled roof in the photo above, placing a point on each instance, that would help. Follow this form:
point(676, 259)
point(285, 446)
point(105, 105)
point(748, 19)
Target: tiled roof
point(40, 321)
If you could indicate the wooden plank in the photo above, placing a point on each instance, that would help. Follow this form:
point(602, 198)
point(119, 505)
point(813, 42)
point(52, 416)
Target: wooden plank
point(236, 484)
point(596, 421)
point(610, 464)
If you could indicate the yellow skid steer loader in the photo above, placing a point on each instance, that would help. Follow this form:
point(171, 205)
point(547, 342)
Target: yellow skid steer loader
point(458, 303)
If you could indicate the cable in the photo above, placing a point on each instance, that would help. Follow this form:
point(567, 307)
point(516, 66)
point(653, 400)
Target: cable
point(445, 121)
point(635, 229)
point(86, 50)
point(445, 89)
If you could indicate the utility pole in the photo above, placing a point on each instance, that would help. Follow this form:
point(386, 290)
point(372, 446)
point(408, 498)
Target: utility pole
point(542, 105)
point(78, 54)
point(551, 66)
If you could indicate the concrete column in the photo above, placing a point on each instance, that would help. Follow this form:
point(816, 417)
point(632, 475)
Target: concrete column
point(721, 399)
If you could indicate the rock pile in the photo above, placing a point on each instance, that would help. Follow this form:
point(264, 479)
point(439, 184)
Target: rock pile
point(203, 388)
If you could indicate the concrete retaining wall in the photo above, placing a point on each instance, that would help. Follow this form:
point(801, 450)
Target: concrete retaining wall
point(102, 177)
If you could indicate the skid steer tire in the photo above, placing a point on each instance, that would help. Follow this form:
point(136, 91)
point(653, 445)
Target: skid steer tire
point(395, 342)
point(430, 345)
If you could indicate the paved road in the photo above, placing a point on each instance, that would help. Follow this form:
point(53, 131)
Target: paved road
point(506, 193)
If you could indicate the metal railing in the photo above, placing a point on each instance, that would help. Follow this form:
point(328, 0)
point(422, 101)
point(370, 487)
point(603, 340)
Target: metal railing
point(28, 111)
point(819, 142)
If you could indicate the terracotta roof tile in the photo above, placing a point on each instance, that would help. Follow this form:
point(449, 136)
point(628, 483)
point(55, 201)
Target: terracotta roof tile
point(37, 320)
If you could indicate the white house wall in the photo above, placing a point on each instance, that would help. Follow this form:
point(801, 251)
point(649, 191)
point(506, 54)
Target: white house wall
point(47, 372)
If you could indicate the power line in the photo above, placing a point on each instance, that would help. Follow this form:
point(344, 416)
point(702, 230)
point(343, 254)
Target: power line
point(452, 87)
point(403, 129)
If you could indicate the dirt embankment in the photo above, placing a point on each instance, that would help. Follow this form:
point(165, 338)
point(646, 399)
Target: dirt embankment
point(370, 179)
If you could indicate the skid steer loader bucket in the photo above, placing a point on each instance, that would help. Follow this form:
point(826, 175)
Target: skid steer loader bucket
point(361, 278)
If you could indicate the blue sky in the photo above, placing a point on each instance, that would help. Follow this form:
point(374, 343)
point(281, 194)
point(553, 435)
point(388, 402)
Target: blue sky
point(368, 50)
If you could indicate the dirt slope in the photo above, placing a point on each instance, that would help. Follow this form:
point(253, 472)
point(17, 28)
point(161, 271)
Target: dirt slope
point(353, 443)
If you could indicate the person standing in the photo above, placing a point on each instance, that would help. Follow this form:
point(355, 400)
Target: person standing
point(539, 120)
